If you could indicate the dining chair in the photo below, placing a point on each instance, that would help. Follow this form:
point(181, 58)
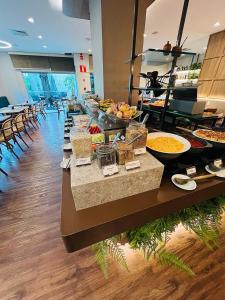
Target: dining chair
point(7, 135)
point(28, 118)
point(40, 109)
point(1, 170)
point(33, 115)
point(19, 127)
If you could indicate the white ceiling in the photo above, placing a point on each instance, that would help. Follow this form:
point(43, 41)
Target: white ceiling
point(60, 33)
point(164, 16)
point(64, 34)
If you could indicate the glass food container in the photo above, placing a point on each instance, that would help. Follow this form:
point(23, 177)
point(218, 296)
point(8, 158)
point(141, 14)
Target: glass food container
point(125, 152)
point(81, 145)
point(106, 155)
point(135, 129)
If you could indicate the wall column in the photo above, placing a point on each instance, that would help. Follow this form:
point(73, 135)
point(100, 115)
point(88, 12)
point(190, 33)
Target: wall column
point(111, 33)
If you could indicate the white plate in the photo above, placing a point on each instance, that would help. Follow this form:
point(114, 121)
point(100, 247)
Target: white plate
point(220, 173)
point(184, 141)
point(67, 146)
point(64, 163)
point(190, 186)
point(195, 133)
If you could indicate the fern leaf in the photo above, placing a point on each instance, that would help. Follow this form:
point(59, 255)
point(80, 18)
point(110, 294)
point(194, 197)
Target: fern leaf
point(170, 259)
point(101, 252)
point(116, 252)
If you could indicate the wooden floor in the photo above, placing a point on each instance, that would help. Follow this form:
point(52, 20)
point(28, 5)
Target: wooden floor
point(33, 260)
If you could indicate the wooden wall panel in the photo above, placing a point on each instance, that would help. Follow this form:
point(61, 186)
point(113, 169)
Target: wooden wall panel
point(212, 75)
point(220, 74)
point(218, 90)
point(209, 68)
point(204, 88)
point(216, 45)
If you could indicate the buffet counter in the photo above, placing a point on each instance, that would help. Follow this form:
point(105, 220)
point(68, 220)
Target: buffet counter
point(82, 228)
point(102, 196)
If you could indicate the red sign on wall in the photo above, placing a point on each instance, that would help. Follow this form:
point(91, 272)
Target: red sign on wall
point(83, 69)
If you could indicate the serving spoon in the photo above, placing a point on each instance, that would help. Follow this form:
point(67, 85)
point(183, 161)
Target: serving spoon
point(183, 181)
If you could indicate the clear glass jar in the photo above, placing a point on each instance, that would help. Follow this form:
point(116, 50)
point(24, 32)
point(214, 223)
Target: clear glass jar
point(124, 151)
point(135, 129)
point(81, 145)
point(106, 155)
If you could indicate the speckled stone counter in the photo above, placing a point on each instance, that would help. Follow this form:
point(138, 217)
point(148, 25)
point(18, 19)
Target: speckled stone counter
point(91, 188)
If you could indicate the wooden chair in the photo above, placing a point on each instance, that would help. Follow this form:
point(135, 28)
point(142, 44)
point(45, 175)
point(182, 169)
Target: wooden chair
point(19, 127)
point(28, 119)
point(33, 115)
point(40, 109)
point(1, 170)
point(7, 135)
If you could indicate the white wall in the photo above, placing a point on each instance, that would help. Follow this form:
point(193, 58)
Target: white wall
point(11, 81)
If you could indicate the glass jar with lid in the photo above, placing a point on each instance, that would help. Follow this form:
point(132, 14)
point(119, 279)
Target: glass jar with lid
point(106, 155)
point(81, 144)
point(134, 130)
point(124, 151)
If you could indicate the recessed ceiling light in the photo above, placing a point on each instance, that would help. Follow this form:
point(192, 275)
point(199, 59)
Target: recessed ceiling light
point(144, 35)
point(216, 24)
point(89, 50)
point(40, 36)
point(30, 19)
point(5, 45)
point(44, 46)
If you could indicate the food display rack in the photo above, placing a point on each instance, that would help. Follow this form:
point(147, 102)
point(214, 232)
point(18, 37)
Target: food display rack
point(175, 55)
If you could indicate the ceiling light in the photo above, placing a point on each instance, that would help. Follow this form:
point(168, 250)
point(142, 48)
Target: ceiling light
point(144, 35)
point(44, 46)
point(217, 24)
point(89, 50)
point(5, 45)
point(40, 36)
point(30, 19)
point(56, 4)
point(204, 48)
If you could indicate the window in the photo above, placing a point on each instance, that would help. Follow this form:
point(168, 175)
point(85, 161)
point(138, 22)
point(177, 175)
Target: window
point(46, 85)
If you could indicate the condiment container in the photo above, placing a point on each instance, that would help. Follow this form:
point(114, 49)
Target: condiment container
point(124, 151)
point(81, 145)
point(133, 131)
point(106, 155)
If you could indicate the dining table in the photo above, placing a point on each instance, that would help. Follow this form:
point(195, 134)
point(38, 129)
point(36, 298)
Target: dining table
point(10, 110)
point(30, 103)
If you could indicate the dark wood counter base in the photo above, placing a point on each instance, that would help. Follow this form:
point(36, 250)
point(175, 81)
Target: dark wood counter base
point(82, 228)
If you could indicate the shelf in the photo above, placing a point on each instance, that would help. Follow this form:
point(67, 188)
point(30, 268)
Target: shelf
point(187, 71)
point(158, 89)
point(160, 53)
point(163, 51)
